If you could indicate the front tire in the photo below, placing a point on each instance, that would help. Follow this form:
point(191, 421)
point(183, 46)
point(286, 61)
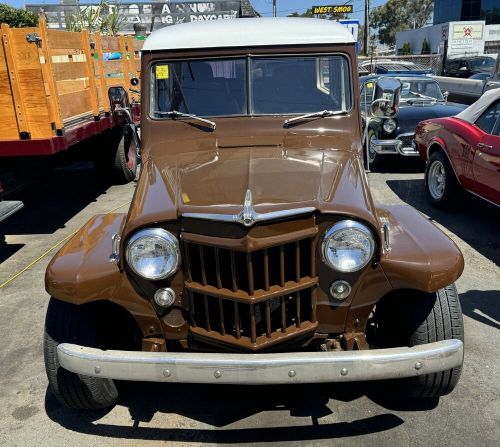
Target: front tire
point(412, 318)
point(68, 323)
point(441, 185)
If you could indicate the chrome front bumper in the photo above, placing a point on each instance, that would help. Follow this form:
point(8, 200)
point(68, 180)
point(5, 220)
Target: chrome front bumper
point(394, 147)
point(262, 369)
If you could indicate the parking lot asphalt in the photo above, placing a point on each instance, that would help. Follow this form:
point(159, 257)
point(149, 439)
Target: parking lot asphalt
point(159, 414)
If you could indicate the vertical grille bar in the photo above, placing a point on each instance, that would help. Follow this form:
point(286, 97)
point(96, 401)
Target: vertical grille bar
point(187, 262)
point(313, 259)
point(253, 325)
point(237, 320)
point(251, 286)
point(283, 314)
point(297, 261)
point(266, 270)
point(202, 264)
point(191, 302)
point(217, 268)
point(207, 313)
point(221, 316)
point(314, 298)
point(297, 307)
point(268, 319)
point(282, 265)
point(233, 272)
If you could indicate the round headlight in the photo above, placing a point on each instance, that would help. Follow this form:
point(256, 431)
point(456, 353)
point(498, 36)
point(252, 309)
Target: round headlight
point(389, 125)
point(153, 253)
point(347, 246)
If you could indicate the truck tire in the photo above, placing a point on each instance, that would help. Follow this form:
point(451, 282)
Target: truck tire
point(415, 318)
point(115, 159)
point(126, 160)
point(441, 185)
point(68, 323)
point(374, 157)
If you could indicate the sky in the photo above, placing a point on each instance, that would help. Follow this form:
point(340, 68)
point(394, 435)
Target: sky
point(265, 7)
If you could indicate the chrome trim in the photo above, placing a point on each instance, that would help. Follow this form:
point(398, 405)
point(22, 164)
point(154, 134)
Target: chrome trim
point(159, 233)
point(386, 146)
point(255, 369)
point(386, 237)
point(341, 226)
point(248, 216)
point(407, 153)
point(114, 257)
point(483, 198)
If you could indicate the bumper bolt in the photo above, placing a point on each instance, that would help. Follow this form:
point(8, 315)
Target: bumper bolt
point(97, 369)
point(167, 373)
point(419, 365)
point(343, 372)
point(292, 373)
point(218, 374)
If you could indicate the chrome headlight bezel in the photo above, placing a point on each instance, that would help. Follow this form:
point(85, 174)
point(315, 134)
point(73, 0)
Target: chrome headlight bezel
point(389, 125)
point(344, 225)
point(166, 237)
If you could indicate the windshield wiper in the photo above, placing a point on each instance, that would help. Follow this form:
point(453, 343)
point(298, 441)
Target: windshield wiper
point(321, 114)
point(420, 96)
point(177, 114)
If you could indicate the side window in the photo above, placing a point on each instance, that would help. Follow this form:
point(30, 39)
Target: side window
point(487, 120)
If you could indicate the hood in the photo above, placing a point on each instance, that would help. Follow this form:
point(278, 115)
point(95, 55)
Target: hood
point(279, 179)
point(409, 116)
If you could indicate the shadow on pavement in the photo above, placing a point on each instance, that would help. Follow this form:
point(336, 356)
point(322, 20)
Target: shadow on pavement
point(482, 306)
point(472, 219)
point(394, 164)
point(219, 406)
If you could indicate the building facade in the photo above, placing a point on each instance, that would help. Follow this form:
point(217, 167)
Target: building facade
point(467, 10)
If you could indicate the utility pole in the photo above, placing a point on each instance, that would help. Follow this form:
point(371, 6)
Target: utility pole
point(367, 26)
point(274, 8)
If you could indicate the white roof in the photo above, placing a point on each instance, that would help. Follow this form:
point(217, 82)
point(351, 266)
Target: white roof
point(474, 111)
point(248, 33)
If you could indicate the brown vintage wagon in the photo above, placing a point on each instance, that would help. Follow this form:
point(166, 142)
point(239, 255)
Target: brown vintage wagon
point(253, 252)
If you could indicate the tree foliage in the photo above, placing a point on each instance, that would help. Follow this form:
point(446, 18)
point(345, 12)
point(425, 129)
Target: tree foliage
point(399, 15)
point(405, 49)
point(17, 18)
point(103, 17)
point(426, 48)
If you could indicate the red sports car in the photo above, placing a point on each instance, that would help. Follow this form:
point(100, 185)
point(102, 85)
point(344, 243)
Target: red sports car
point(463, 151)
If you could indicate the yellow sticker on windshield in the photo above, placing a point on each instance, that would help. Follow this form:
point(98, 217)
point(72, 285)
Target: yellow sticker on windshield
point(162, 72)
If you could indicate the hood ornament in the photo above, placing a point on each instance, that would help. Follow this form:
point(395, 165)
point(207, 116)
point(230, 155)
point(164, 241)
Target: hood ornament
point(248, 216)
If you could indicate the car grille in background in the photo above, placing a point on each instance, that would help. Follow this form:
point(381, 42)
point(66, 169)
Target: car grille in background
point(251, 298)
point(407, 140)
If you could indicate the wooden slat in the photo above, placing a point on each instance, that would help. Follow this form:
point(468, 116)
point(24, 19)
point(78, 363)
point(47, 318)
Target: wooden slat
point(69, 70)
point(48, 77)
point(64, 39)
point(115, 66)
point(125, 65)
point(11, 76)
point(99, 71)
point(72, 86)
point(110, 44)
point(73, 104)
point(9, 121)
point(94, 102)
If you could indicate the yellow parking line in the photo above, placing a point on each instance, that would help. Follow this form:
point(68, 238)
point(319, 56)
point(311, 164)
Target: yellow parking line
point(31, 264)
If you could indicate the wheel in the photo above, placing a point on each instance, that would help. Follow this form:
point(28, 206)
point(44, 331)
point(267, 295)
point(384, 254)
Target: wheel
point(412, 318)
point(441, 185)
point(72, 324)
point(116, 157)
point(372, 155)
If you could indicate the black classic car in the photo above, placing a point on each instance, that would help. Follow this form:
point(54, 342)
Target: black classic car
point(421, 98)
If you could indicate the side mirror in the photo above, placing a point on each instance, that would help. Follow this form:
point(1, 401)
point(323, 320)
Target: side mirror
point(120, 106)
point(134, 81)
point(386, 98)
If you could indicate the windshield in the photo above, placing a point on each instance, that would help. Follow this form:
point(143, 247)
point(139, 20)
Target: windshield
point(482, 63)
point(420, 89)
point(255, 86)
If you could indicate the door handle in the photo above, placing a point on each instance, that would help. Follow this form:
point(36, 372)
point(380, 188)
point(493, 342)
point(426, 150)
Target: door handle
point(484, 146)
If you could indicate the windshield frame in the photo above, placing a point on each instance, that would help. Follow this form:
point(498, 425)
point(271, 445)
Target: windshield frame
point(247, 57)
point(410, 79)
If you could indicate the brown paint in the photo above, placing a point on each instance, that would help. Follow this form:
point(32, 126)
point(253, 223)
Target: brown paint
point(186, 169)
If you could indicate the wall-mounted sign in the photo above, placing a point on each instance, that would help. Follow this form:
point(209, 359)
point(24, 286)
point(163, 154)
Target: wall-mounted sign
point(332, 9)
point(153, 15)
point(468, 31)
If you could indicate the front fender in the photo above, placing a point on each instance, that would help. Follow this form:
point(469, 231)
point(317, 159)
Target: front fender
point(81, 273)
point(421, 256)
